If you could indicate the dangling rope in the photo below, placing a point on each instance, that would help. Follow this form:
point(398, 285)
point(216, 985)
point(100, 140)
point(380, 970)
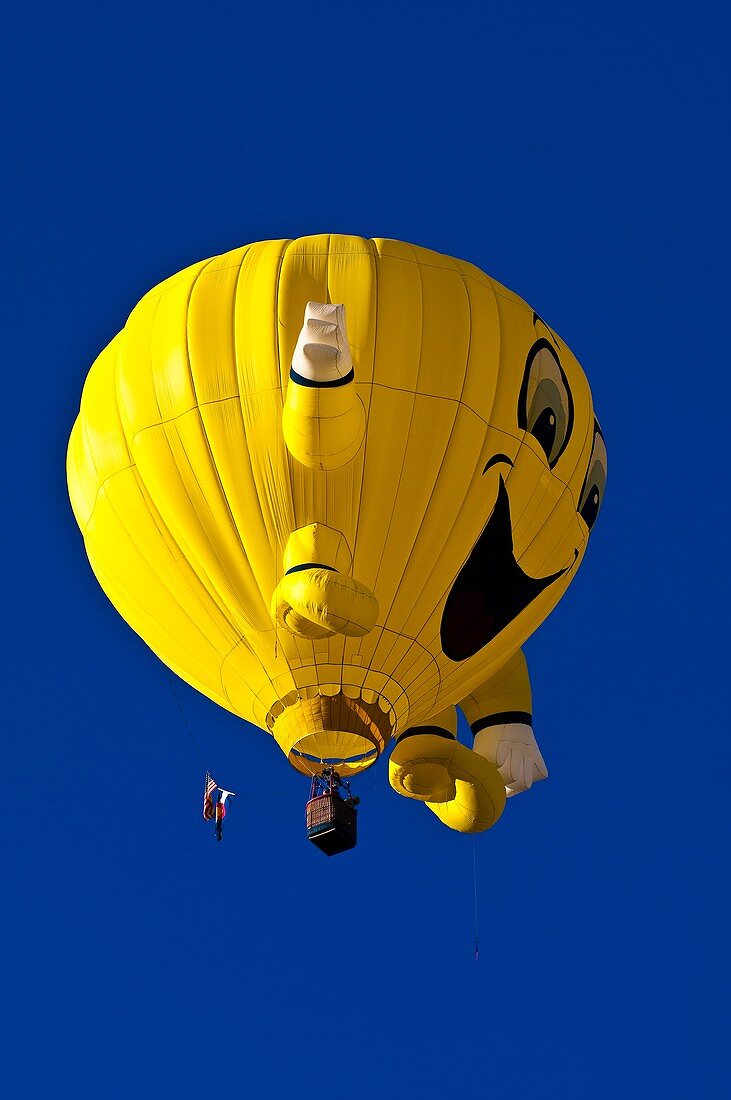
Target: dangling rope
point(185, 720)
point(474, 875)
point(245, 794)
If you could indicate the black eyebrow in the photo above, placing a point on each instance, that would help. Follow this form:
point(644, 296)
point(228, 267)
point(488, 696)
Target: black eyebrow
point(495, 459)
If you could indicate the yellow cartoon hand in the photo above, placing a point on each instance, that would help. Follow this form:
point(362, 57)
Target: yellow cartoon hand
point(463, 789)
point(317, 603)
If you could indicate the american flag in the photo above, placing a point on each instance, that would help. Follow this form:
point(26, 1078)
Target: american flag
point(208, 811)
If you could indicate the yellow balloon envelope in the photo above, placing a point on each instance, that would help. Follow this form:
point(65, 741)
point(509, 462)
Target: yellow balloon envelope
point(334, 484)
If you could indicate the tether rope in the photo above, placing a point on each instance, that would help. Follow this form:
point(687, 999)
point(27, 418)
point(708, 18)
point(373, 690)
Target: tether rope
point(196, 746)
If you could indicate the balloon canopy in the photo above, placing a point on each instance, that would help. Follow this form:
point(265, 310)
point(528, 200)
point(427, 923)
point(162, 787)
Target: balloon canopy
point(334, 484)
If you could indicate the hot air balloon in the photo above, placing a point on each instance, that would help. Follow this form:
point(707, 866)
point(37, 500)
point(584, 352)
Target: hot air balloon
point(334, 484)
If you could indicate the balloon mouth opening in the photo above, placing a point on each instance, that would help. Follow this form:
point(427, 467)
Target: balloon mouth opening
point(337, 730)
point(491, 589)
point(311, 763)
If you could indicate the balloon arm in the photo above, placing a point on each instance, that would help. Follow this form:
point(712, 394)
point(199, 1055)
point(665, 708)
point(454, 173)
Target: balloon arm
point(512, 747)
point(323, 420)
point(316, 598)
point(500, 714)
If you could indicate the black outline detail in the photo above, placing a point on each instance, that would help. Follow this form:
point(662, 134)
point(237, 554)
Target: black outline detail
point(329, 385)
point(310, 565)
point(498, 719)
point(600, 433)
point(537, 317)
point(494, 461)
point(438, 731)
point(491, 589)
point(523, 396)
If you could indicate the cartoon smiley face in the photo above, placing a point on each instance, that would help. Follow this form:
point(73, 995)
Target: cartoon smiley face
point(335, 483)
point(493, 588)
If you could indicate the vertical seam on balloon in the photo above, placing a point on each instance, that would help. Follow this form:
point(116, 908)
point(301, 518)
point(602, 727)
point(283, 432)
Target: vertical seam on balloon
point(489, 426)
point(374, 254)
point(203, 594)
point(242, 640)
point(456, 270)
point(144, 487)
point(385, 656)
point(244, 260)
point(237, 397)
point(100, 486)
point(200, 595)
point(384, 616)
point(130, 442)
point(407, 433)
point(196, 565)
point(191, 469)
point(233, 581)
point(465, 370)
point(315, 474)
point(278, 548)
point(327, 270)
point(449, 438)
point(171, 592)
point(344, 644)
point(88, 450)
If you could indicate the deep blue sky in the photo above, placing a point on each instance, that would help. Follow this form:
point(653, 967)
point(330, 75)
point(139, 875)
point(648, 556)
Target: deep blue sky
point(580, 156)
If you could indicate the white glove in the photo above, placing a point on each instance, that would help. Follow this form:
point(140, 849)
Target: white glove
point(512, 747)
point(322, 353)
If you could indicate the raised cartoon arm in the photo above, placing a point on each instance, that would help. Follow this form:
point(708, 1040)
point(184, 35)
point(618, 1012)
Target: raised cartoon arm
point(466, 788)
point(500, 716)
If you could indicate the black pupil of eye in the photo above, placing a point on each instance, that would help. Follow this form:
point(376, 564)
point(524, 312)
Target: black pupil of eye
point(544, 430)
point(591, 506)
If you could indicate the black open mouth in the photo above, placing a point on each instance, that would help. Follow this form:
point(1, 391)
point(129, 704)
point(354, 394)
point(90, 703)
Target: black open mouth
point(491, 588)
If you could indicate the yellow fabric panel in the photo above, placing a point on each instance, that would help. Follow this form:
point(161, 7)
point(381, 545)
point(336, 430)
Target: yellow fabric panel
point(445, 333)
point(508, 690)
point(481, 377)
point(445, 520)
point(153, 381)
point(210, 331)
point(168, 617)
point(446, 719)
point(352, 279)
point(181, 479)
point(303, 279)
point(427, 437)
point(398, 334)
point(174, 462)
point(224, 431)
point(385, 454)
point(98, 448)
point(323, 428)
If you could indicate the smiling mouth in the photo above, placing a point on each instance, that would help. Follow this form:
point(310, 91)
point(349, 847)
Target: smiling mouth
point(491, 589)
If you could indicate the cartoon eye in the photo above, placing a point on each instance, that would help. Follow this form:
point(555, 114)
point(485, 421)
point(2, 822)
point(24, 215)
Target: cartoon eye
point(545, 405)
point(592, 492)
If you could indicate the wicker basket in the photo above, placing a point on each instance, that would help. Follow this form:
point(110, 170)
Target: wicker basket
point(332, 825)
